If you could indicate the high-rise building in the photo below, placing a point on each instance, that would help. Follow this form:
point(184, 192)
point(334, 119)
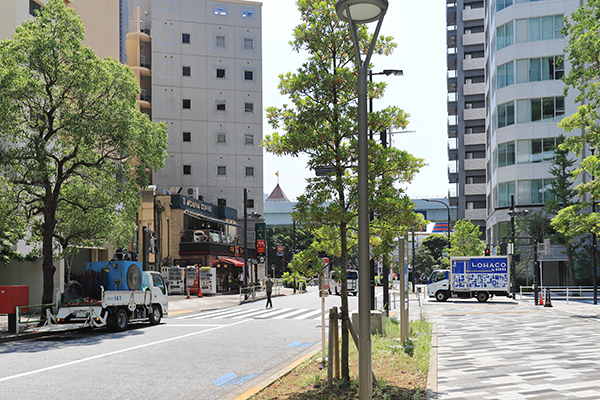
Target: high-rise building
point(505, 63)
point(466, 109)
point(199, 64)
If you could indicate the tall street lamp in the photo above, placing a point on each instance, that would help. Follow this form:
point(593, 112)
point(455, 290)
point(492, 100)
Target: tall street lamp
point(361, 12)
point(448, 208)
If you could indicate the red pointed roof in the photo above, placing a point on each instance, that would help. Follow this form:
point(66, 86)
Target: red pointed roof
point(277, 195)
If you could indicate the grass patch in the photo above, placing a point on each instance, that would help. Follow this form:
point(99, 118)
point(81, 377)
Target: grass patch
point(401, 372)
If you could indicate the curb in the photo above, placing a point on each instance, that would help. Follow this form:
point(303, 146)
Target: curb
point(431, 391)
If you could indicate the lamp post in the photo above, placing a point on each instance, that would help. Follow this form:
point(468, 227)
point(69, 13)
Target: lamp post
point(448, 208)
point(361, 12)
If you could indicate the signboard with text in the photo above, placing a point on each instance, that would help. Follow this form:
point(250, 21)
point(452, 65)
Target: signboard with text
point(261, 239)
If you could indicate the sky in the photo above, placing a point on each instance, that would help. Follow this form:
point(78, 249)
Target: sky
point(419, 28)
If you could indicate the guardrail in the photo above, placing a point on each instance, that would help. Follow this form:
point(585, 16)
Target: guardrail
point(253, 292)
point(561, 292)
point(27, 317)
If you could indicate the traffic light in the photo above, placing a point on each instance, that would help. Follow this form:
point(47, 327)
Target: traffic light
point(503, 249)
point(487, 252)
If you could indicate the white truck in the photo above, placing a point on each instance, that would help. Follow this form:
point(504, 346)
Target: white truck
point(468, 277)
point(133, 295)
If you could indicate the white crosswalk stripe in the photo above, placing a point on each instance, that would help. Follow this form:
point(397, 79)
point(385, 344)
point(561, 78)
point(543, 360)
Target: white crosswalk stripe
point(252, 313)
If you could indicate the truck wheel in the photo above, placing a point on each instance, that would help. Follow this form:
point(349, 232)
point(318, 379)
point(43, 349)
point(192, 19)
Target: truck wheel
point(441, 295)
point(482, 297)
point(155, 315)
point(120, 320)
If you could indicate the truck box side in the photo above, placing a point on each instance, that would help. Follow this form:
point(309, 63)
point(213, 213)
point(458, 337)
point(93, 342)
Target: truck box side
point(489, 274)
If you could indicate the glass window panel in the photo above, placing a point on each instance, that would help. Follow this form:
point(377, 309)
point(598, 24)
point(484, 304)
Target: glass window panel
point(547, 68)
point(510, 153)
point(522, 71)
point(534, 29)
point(502, 195)
point(522, 111)
point(537, 191)
point(558, 25)
point(535, 105)
point(523, 192)
point(501, 115)
point(502, 155)
point(499, 5)
point(548, 148)
point(501, 76)
point(500, 37)
point(510, 113)
point(560, 106)
point(559, 67)
point(510, 191)
point(548, 195)
point(510, 73)
point(521, 29)
point(495, 156)
point(522, 151)
point(547, 28)
point(508, 30)
point(536, 150)
point(534, 70)
point(548, 108)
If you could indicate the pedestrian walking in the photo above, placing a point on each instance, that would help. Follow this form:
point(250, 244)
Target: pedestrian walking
point(269, 286)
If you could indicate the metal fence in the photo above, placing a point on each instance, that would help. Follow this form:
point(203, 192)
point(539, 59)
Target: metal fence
point(568, 293)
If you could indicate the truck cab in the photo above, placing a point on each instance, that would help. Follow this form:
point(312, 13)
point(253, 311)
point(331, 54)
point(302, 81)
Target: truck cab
point(438, 284)
point(351, 279)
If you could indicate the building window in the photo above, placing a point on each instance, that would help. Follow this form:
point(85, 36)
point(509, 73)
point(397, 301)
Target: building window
point(249, 140)
point(221, 105)
point(248, 75)
point(187, 169)
point(220, 73)
point(247, 14)
point(187, 104)
point(505, 75)
point(248, 107)
point(221, 170)
point(249, 171)
point(33, 7)
point(187, 136)
point(506, 114)
point(527, 151)
point(186, 71)
point(185, 38)
point(220, 11)
point(220, 41)
point(221, 138)
point(250, 203)
point(248, 44)
point(222, 202)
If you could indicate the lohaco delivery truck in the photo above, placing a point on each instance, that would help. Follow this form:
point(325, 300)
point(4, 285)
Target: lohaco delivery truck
point(479, 277)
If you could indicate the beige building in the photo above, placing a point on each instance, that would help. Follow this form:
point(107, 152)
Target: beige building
point(101, 22)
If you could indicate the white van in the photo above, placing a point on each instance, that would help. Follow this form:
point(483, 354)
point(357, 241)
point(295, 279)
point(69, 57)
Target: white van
point(336, 283)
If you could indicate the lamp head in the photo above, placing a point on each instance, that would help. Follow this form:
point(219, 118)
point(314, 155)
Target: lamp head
point(395, 72)
point(361, 11)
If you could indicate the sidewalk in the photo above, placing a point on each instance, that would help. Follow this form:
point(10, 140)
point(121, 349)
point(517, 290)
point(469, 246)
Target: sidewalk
point(178, 304)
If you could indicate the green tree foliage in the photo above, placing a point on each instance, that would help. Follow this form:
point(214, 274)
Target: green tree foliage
point(465, 241)
point(75, 148)
point(435, 244)
point(322, 125)
point(284, 236)
point(583, 53)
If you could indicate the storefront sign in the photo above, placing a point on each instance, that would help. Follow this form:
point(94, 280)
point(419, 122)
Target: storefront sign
point(261, 238)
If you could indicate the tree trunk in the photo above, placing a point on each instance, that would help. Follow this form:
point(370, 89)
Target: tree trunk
point(48, 267)
point(344, 280)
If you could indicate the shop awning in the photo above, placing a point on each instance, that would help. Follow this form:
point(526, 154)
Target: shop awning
point(228, 260)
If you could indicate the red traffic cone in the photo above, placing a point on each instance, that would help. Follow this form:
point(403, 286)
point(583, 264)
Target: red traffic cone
point(199, 291)
point(541, 301)
point(188, 293)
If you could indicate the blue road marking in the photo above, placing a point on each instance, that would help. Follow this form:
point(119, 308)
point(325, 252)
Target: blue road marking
point(232, 379)
point(295, 345)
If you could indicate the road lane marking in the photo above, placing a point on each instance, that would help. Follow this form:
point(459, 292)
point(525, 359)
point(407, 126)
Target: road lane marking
point(291, 313)
point(141, 346)
point(309, 314)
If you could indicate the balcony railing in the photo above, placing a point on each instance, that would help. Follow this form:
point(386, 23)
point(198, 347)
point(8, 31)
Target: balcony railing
point(139, 61)
point(139, 26)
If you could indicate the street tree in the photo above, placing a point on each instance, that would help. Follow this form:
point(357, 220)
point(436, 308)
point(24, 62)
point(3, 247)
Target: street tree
point(75, 148)
point(465, 241)
point(321, 123)
point(583, 53)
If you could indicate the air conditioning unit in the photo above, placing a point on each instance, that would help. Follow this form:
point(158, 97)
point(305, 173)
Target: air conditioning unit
point(191, 192)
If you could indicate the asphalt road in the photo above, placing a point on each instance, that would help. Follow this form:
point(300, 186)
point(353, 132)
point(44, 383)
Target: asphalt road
point(213, 354)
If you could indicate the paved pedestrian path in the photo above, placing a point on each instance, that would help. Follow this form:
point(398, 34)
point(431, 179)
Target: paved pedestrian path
point(507, 349)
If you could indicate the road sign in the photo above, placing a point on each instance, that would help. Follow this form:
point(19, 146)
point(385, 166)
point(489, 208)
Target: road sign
point(326, 274)
point(280, 251)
